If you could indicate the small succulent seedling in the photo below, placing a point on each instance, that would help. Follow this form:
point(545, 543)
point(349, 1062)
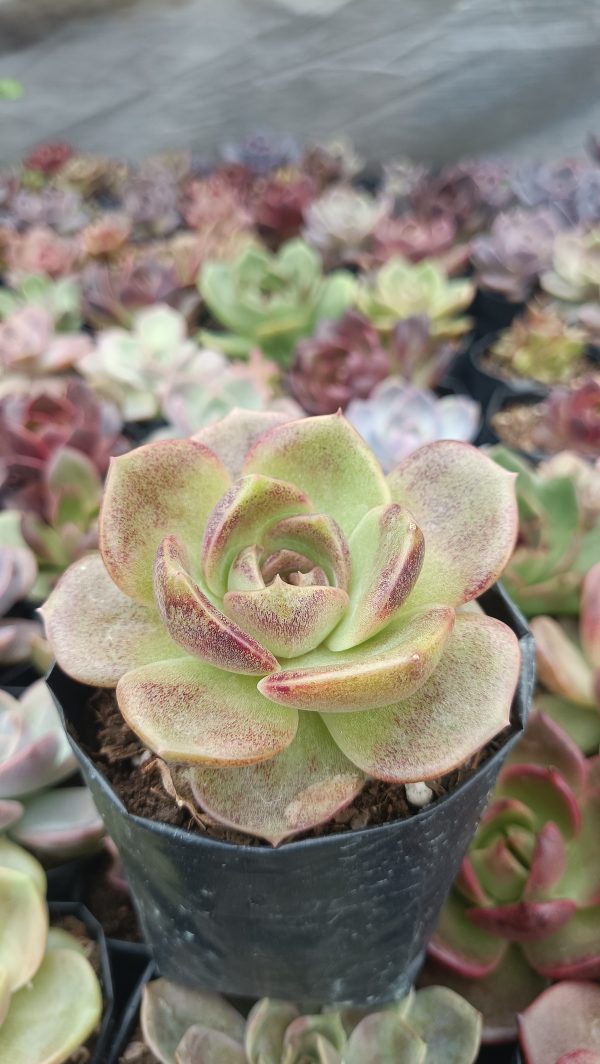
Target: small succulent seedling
point(541, 346)
point(402, 289)
point(575, 273)
point(510, 258)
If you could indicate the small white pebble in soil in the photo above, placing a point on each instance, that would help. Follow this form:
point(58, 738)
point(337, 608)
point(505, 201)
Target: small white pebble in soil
point(418, 794)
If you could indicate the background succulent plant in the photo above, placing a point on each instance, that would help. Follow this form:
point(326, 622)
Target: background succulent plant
point(401, 289)
point(40, 251)
point(20, 637)
point(415, 238)
point(30, 347)
point(518, 248)
point(341, 222)
point(113, 293)
point(61, 299)
point(418, 354)
point(294, 565)
point(570, 420)
point(575, 273)
point(541, 346)
point(561, 1025)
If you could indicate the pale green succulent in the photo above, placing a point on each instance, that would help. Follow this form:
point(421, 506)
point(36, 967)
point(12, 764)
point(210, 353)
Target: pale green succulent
point(271, 300)
point(61, 299)
point(402, 289)
point(50, 997)
point(575, 273)
point(540, 345)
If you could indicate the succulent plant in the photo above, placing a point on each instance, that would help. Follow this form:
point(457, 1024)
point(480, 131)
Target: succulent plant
point(106, 236)
point(575, 273)
point(29, 346)
point(401, 180)
point(280, 205)
point(35, 756)
point(289, 562)
point(330, 161)
point(50, 997)
point(60, 208)
point(397, 418)
point(182, 1026)
point(455, 193)
point(262, 152)
point(559, 532)
point(518, 248)
point(568, 664)
point(402, 289)
point(541, 346)
point(214, 202)
point(272, 300)
point(343, 360)
point(561, 1025)
point(94, 176)
point(524, 907)
point(40, 251)
point(61, 299)
point(418, 354)
point(341, 222)
point(417, 238)
point(550, 184)
point(20, 637)
point(114, 293)
point(151, 201)
point(49, 157)
point(587, 198)
point(570, 420)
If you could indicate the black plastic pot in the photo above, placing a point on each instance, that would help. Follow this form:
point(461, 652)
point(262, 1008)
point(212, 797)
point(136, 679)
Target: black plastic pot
point(502, 400)
point(104, 1040)
point(483, 384)
point(344, 918)
point(493, 312)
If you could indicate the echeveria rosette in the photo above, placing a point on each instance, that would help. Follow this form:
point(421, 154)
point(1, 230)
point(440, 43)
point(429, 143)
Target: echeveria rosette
point(525, 907)
point(287, 632)
point(402, 289)
point(562, 1026)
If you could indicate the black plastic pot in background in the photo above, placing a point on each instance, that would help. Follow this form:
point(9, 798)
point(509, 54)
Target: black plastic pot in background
point(493, 312)
point(343, 918)
point(503, 1054)
point(502, 400)
point(483, 384)
point(58, 910)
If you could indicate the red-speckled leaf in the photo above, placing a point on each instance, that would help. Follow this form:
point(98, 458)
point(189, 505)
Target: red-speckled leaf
point(291, 620)
point(572, 951)
point(160, 489)
point(545, 792)
point(545, 743)
point(191, 712)
point(562, 1019)
point(464, 704)
point(523, 921)
point(392, 665)
point(233, 436)
point(239, 519)
point(195, 623)
point(561, 666)
point(96, 632)
point(465, 506)
point(461, 946)
point(315, 536)
point(580, 1056)
point(200, 1045)
point(326, 458)
point(387, 550)
point(305, 785)
point(590, 616)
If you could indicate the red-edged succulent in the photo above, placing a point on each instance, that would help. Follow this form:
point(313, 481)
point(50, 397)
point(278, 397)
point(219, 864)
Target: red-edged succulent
point(49, 157)
point(112, 293)
point(562, 1026)
point(30, 345)
point(41, 250)
point(18, 571)
point(280, 203)
point(525, 907)
point(282, 621)
point(571, 420)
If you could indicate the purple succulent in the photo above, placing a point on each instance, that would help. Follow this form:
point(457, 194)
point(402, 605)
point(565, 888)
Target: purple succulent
point(151, 202)
point(113, 293)
point(343, 360)
point(550, 184)
point(417, 355)
point(262, 152)
point(510, 258)
point(60, 208)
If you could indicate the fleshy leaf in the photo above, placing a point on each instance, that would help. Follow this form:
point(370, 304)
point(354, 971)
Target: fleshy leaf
point(524, 921)
point(42, 1023)
point(305, 785)
point(304, 1032)
point(232, 437)
point(327, 459)
point(97, 633)
point(200, 1044)
point(565, 1017)
point(545, 792)
point(463, 705)
point(266, 1025)
point(466, 508)
point(580, 723)
point(9, 813)
point(561, 666)
point(168, 1010)
point(590, 616)
point(190, 712)
point(63, 823)
point(291, 620)
point(461, 946)
point(318, 537)
point(24, 923)
point(449, 1025)
point(384, 1037)
point(544, 743)
point(239, 519)
point(548, 863)
point(15, 857)
point(500, 873)
point(195, 623)
point(387, 550)
point(570, 952)
point(163, 488)
point(392, 665)
point(5, 995)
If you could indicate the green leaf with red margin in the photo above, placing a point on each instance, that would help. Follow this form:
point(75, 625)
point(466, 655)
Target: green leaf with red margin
point(210, 1047)
point(545, 793)
point(165, 488)
point(305, 785)
point(571, 952)
point(581, 879)
point(461, 946)
point(524, 921)
point(326, 458)
point(561, 666)
point(96, 632)
point(500, 873)
point(266, 1025)
point(291, 620)
point(466, 508)
point(590, 616)
point(580, 723)
point(187, 711)
point(231, 437)
point(545, 743)
point(548, 864)
point(562, 1019)
point(462, 706)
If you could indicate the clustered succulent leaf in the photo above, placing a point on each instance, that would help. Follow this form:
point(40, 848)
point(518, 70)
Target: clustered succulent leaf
point(342, 361)
point(518, 248)
point(60, 299)
point(416, 238)
point(50, 997)
point(397, 418)
point(524, 908)
point(401, 289)
point(542, 346)
point(272, 300)
point(431, 1026)
point(342, 221)
point(575, 273)
point(112, 293)
point(242, 572)
point(570, 420)
point(418, 354)
point(20, 637)
point(561, 1026)
point(559, 532)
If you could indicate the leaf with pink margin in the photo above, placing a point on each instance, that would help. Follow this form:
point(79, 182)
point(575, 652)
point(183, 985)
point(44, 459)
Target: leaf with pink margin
point(590, 616)
point(465, 506)
point(572, 951)
point(245, 573)
point(392, 665)
point(232, 437)
point(580, 1056)
point(449, 1025)
point(581, 879)
point(387, 550)
point(96, 632)
point(318, 537)
point(190, 712)
point(468, 885)
point(61, 823)
point(239, 519)
point(383, 1037)
point(200, 1045)
point(562, 1019)
point(291, 620)
point(24, 923)
point(461, 946)
point(168, 1010)
point(319, 1036)
point(305, 785)
point(326, 458)
point(561, 666)
point(461, 707)
point(266, 1025)
point(545, 792)
point(580, 723)
point(501, 815)
point(500, 873)
point(524, 921)
point(545, 743)
point(548, 864)
point(195, 623)
point(163, 488)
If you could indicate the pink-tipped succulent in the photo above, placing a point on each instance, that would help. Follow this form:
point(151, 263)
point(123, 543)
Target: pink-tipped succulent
point(49, 157)
point(418, 354)
point(571, 420)
point(518, 248)
point(30, 346)
point(562, 1026)
point(266, 571)
point(433, 1025)
point(41, 250)
point(525, 907)
point(20, 637)
point(568, 663)
point(34, 756)
point(60, 208)
point(112, 294)
point(106, 236)
point(151, 200)
point(280, 205)
point(417, 238)
point(342, 221)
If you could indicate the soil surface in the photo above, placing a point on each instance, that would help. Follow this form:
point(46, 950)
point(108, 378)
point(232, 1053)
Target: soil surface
point(135, 775)
point(110, 905)
point(518, 424)
point(137, 1052)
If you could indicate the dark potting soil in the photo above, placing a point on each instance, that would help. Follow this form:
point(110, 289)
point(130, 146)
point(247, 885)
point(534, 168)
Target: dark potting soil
point(134, 773)
point(79, 931)
point(111, 907)
point(137, 1052)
